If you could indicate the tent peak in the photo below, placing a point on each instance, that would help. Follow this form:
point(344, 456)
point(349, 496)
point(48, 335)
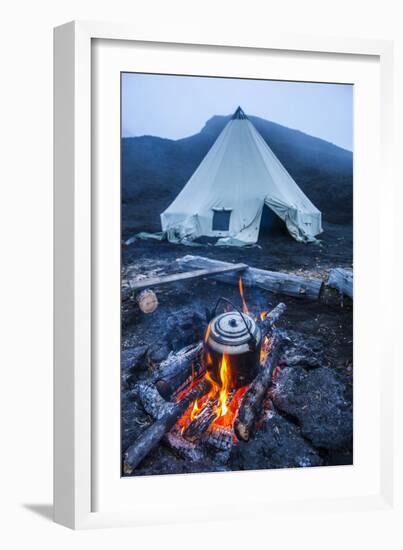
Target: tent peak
point(239, 114)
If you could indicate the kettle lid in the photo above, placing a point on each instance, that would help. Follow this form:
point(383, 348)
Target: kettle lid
point(233, 328)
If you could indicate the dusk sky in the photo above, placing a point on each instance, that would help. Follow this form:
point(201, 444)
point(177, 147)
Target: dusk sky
point(178, 106)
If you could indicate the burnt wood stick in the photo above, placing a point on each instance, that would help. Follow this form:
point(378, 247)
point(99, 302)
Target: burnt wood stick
point(219, 438)
point(181, 447)
point(266, 325)
point(273, 281)
point(177, 368)
point(201, 423)
point(153, 403)
point(250, 407)
point(153, 435)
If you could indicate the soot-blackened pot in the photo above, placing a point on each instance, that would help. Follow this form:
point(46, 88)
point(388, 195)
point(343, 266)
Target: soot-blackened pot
point(238, 336)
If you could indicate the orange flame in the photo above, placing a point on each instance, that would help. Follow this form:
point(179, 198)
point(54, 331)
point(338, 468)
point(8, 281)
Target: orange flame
point(244, 305)
point(227, 402)
point(264, 349)
point(225, 378)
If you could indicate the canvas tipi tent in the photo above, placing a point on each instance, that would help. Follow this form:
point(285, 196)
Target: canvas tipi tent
point(225, 196)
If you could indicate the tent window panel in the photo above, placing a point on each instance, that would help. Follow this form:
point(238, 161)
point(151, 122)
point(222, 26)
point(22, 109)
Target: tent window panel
point(221, 220)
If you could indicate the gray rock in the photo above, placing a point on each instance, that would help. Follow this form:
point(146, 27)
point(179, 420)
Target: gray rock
point(278, 444)
point(316, 399)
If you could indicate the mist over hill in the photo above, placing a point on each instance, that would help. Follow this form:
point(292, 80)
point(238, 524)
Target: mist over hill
point(154, 169)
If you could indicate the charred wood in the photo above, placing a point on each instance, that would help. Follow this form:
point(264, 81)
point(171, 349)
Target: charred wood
point(267, 324)
point(152, 401)
point(178, 369)
point(201, 423)
point(219, 438)
point(153, 435)
point(181, 447)
point(250, 407)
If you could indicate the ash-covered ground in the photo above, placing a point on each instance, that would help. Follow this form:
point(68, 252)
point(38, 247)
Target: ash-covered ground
point(310, 419)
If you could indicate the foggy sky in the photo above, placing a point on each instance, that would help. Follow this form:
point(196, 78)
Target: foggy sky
point(178, 106)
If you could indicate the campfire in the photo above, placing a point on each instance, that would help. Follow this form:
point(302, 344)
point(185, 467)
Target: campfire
point(213, 392)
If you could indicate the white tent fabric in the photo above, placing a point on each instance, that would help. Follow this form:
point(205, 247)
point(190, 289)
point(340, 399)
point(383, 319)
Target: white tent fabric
point(239, 175)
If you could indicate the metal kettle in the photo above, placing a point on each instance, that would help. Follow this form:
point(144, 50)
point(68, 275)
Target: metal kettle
point(238, 336)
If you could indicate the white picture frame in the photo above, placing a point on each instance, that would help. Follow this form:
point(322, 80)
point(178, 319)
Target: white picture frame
point(79, 310)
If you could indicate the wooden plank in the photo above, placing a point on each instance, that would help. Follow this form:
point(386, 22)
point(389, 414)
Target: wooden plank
point(174, 277)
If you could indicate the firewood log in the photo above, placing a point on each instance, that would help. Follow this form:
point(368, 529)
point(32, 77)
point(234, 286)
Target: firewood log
point(153, 403)
point(266, 324)
point(177, 370)
point(200, 424)
point(251, 403)
point(153, 435)
point(219, 438)
point(181, 447)
point(279, 283)
point(342, 280)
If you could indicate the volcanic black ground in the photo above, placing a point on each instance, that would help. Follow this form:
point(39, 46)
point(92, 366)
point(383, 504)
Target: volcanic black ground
point(329, 318)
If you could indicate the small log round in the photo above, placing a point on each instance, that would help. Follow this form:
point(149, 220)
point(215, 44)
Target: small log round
point(147, 301)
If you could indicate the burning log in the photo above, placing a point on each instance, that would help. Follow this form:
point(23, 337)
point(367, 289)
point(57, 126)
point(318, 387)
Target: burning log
point(178, 369)
point(200, 424)
point(251, 403)
point(279, 283)
point(219, 438)
point(153, 435)
point(342, 280)
point(267, 323)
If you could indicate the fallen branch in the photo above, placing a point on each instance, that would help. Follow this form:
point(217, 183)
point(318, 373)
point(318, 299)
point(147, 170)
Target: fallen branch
point(342, 280)
point(251, 403)
point(153, 435)
point(279, 283)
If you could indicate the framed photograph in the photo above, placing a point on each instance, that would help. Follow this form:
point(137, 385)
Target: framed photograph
point(220, 222)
